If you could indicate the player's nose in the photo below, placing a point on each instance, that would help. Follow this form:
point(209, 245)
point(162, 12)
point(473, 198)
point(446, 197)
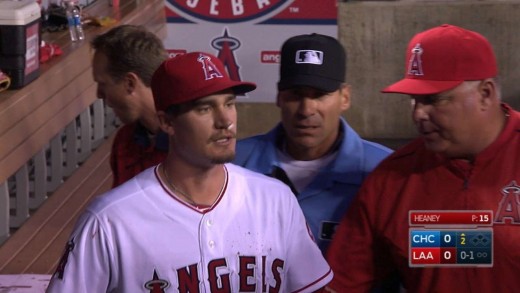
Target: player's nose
point(224, 117)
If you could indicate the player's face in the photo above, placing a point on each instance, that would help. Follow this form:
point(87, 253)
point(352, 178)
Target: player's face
point(450, 121)
point(204, 132)
point(310, 118)
point(114, 93)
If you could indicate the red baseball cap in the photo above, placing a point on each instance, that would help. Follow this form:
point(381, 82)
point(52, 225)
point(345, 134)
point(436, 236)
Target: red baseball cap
point(443, 57)
point(192, 76)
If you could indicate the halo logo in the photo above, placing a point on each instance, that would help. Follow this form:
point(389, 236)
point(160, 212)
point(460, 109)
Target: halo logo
point(225, 46)
point(156, 285)
point(227, 11)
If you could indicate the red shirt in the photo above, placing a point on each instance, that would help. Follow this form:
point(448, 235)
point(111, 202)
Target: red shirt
point(133, 151)
point(373, 239)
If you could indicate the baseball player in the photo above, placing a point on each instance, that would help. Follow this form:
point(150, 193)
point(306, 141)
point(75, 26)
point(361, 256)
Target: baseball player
point(466, 158)
point(194, 223)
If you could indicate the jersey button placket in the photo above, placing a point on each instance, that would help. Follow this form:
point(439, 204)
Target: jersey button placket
point(209, 224)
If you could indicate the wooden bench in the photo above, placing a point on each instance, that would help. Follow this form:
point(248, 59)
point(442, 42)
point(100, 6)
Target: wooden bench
point(55, 139)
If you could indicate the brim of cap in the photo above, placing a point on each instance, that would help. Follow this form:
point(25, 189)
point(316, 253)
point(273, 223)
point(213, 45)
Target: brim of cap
point(410, 86)
point(243, 87)
point(238, 87)
point(324, 84)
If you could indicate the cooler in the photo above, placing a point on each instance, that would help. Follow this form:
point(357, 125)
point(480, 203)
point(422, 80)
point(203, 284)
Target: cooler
point(20, 41)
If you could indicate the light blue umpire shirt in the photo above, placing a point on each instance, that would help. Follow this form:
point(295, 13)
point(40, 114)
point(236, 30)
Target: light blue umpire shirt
point(326, 198)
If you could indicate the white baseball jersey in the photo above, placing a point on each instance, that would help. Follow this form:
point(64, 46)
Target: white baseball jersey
point(140, 238)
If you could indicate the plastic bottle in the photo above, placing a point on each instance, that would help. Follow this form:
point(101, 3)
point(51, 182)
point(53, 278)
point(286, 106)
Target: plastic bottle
point(72, 12)
point(77, 23)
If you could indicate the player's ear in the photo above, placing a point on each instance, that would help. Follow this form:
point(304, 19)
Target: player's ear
point(166, 122)
point(487, 89)
point(131, 79)
point(344, 92)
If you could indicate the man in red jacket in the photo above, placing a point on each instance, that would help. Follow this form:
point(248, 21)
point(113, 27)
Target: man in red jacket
point(467, 158)
point(124, 61)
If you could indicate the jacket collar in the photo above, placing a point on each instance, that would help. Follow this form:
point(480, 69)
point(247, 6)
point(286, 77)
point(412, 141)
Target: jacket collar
point(142, 138)
point(346, 168)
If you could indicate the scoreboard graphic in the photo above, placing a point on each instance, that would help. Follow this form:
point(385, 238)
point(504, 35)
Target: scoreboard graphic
point(451, 238)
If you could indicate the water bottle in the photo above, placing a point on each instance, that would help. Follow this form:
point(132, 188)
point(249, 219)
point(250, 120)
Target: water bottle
point(72, 12)
point(77, 23)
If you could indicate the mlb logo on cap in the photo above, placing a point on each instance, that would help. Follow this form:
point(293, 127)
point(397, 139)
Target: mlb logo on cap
point(315, 60)
point(309, 56)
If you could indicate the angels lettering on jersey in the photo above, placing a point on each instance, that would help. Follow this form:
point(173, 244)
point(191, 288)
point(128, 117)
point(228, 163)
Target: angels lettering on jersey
point(254, 273)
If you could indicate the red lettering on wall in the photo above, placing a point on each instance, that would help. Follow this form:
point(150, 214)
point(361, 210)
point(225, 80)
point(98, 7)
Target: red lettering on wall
point(270, 57)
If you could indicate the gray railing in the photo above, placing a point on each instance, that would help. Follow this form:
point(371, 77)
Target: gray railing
point(23, 192)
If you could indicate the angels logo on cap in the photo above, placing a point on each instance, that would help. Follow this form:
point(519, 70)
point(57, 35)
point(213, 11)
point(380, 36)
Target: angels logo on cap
point(210, 70)
point(415, 67)
point(192, 76)
point(443, 57)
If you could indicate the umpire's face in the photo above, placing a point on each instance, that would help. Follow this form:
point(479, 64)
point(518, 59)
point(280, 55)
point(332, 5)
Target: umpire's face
point(203, 132)
point(310, 118)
